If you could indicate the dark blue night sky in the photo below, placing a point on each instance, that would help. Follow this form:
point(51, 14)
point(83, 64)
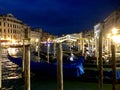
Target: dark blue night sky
point(60, 16)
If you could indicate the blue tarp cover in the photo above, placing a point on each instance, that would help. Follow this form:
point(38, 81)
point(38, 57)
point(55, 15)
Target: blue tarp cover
point(70, 68)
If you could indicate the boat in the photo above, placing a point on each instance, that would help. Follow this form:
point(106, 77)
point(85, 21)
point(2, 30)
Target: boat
point(71, 68)
point(52, 58)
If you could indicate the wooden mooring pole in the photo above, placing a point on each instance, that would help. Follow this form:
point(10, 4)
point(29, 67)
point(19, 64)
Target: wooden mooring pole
point(0, 65)
point(48, 52)
point(23, 59)
point(60, 67)
point(27, 60)
point(27, 67)
point(100, 59)
point(114, 85)
point(54, 49)
point(39, 47)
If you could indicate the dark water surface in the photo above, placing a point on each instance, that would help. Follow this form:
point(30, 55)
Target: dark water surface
point(11, 76)
point(40, 83)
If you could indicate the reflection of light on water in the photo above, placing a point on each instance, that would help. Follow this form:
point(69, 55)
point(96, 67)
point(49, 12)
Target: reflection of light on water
point(14, 77)
point(10, 70)
point(13, 51)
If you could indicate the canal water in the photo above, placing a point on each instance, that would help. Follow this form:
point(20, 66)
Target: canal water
point(12, 80)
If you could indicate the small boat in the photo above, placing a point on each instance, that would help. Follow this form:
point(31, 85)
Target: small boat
point(71, 68)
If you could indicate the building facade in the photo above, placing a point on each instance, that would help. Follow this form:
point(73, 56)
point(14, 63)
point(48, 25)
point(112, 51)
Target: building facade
point(112, 21)
point(35, 36)
point(11, 28)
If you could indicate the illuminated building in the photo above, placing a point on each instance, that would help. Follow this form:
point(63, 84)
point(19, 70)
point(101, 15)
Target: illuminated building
point(11, 28)
point(35, 36)
point(113, 20)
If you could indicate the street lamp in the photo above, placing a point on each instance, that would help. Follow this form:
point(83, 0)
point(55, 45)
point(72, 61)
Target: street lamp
point(114, 31)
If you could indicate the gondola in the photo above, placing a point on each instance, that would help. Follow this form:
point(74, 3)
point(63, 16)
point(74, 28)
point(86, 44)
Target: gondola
point(71, 69)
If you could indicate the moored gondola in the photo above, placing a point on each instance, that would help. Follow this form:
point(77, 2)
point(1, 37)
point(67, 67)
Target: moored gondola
point(70, 68)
